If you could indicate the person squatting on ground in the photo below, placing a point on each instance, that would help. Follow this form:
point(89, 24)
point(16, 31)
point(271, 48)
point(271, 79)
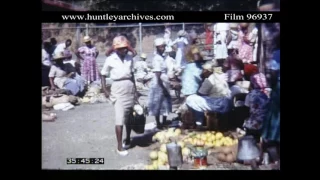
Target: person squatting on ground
point(119, 65)
point(64, 76)
point(159, 100)
point(213, 95)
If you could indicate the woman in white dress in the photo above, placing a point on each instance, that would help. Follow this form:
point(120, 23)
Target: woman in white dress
point(181, 42)
point(159, 100)
point(220, 42)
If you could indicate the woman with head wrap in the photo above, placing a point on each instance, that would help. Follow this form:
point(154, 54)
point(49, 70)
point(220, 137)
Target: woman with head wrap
point(213, 95)
point(119, 66)
point(159, 99)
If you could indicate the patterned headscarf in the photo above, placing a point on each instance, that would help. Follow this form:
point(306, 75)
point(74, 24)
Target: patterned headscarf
point(259, 81)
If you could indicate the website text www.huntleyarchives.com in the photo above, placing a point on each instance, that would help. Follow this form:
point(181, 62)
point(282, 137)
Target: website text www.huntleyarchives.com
point(108, 17)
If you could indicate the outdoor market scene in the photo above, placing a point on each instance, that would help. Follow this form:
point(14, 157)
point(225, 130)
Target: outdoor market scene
point(164, 96)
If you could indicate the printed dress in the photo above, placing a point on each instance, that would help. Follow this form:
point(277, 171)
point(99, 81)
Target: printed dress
point(89, 69)
point(257, 101)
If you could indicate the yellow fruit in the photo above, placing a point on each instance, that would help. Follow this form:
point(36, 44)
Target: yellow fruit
point(218, 143)
point(201, 143)
point(208, 133)
point(155, 164)
point(153, 155)
point(180, 143)
point(171, 130)
point(194, 141)
point(160, 163)
point(186, 151)
point(213, 137)
point(177, 131)
point(219, 135)
point(149, 167)
point(209, 144)
point(235, 141)
point(162, 157)
point(204, 138)
point(163, 148)
point(198, 136)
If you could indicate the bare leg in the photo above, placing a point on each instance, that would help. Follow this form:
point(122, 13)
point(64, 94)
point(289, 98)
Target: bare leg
point(119, 130)
point(128, 133)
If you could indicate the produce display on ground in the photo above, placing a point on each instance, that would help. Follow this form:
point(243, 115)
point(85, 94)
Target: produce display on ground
point(216, 145)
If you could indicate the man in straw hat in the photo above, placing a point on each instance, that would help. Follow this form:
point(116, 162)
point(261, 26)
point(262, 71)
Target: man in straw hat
point(88, 54)
point(119, 66)
point(159, 99)
point(213, 95)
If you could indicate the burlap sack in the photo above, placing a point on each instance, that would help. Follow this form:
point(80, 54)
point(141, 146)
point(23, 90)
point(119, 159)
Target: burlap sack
point(47, 91)
point(50, 101)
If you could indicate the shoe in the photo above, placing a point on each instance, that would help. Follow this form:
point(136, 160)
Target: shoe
point(122, 153)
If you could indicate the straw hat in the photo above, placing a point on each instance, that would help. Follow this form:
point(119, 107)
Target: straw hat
point(182, 33)
point(86, 39)
point(120, 42)
point(144, 56)
point(159, 42)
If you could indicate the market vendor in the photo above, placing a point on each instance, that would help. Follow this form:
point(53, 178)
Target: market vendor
point(64, 76)
point(213, 95)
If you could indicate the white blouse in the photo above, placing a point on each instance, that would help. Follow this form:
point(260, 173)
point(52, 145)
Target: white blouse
point(116, 69)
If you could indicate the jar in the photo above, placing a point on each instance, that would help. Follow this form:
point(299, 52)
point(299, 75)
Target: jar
point(200, 162)
point(200, 159)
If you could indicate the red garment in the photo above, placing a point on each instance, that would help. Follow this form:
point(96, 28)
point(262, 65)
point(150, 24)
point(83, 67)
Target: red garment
point(209, 39)
point(250, 69)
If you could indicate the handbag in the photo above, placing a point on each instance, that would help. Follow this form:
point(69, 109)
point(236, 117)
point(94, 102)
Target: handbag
point(137, 118)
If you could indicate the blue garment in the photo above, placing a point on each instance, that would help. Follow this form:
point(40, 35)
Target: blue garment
point(191, 79)
point(271, 126)
point(276, 56)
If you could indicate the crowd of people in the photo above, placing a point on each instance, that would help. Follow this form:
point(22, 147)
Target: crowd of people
point(207, 85)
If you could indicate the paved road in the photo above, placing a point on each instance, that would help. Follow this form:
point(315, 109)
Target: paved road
point(88, 131)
